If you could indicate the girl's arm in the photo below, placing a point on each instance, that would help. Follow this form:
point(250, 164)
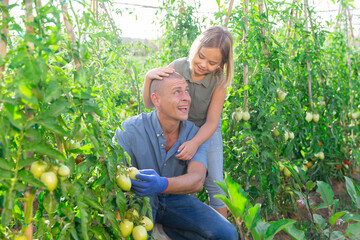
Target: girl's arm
point(156, 73)
point(189, 148)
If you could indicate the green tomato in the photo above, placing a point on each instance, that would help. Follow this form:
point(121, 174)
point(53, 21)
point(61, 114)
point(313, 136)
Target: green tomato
point(132, 214)
point(276, 132)
point(281, 166)
point(70, 145)
point(126, 227)
point(64, 171)
point(246, 116)
point(147, 223)
point(316, 117)
point(37, 168)
point(133, 171)
point(139, 233)
point(287, 172)
point(123, 181)
point(286, 135)
point(50, 180)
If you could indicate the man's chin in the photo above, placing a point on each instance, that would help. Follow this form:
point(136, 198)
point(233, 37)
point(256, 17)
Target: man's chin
point(184, 118)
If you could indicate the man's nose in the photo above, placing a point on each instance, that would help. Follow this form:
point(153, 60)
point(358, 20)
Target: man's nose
point(186, 97)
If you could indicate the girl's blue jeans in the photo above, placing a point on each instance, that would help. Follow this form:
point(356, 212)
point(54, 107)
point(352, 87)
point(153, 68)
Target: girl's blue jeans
point(215, 169)
point(186, 217)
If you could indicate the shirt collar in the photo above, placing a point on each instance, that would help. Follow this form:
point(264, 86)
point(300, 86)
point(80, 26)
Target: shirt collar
point(205, 81)
point(159, 132)
point(156, 124)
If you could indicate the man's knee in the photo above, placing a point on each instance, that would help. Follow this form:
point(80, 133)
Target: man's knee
point(225, 231)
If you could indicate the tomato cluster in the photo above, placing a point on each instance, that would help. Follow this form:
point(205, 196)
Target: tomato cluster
point(132, 224)
point(135, 226)
point(49, 173)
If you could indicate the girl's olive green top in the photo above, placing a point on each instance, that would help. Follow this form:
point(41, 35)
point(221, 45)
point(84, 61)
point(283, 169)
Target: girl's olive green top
point(200, 92)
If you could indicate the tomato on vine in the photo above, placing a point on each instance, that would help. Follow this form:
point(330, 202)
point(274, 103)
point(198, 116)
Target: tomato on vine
point(123, 181)
point(147, 223)
point(50, 180)
point(37, 168)
point(133, 171)
point(64, 171)
point(126, 227)
point(132, 214)
point(139, 233)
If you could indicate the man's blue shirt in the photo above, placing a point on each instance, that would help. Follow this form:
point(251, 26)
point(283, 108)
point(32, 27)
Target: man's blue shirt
point(143, 139)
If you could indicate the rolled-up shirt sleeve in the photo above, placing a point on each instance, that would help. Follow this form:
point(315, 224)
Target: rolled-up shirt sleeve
point(201, 153)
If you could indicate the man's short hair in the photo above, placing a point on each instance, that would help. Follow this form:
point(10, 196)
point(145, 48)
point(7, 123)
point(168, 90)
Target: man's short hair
point(156, 86)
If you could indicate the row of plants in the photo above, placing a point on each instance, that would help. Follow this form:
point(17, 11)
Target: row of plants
point(286, 114)
point(69, 81)
point(63, 92)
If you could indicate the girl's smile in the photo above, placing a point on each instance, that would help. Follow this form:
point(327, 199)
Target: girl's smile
point(206, 61)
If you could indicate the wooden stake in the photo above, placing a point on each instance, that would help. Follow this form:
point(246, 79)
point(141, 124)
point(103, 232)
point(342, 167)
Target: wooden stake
point(71, 33)
point(347, 17)
point(229, 12)
point(3, 40)
point(111, 23)
point(317, 47)
point(246, 67)
point(308, 68)
point(261, 11)
point(290, 22)
point(29, 19)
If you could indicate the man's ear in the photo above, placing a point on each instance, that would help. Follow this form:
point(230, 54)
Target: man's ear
point(155, 98)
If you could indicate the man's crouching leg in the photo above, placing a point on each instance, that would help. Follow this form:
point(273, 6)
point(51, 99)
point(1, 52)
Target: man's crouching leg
point(186, 217)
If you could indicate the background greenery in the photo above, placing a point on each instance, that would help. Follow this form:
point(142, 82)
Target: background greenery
point(46, 98)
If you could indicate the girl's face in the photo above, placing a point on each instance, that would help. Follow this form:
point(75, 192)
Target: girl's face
point(206, 61)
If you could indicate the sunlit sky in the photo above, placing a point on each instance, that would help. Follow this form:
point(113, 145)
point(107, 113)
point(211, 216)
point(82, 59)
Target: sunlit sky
point(140, 23)
point(138, 18)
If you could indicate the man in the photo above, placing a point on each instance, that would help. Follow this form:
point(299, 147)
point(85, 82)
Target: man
point(152, 140)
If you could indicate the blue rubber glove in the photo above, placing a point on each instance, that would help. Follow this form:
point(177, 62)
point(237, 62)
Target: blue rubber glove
point(150, 183)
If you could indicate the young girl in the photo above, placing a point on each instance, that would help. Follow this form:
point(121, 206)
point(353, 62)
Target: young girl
point(210, 55)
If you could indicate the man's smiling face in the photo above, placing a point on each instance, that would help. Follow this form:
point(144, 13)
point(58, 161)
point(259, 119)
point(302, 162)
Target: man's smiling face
point(174, 99)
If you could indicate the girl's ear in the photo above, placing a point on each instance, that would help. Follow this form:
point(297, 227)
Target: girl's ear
point(155, 98)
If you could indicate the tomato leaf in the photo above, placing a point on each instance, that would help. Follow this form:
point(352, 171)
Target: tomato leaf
point(84, 215)
point(6, 174)
point(50, 202)
point(45, 149)
point(92, 202)
point(29, 178)
point(52, 125)
point(109, 214)
point(8, 165)
point(9, 201)
point(64, 231)
point(54, 109)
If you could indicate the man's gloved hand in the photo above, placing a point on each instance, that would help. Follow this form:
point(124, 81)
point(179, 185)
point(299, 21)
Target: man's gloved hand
point(150, 183)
